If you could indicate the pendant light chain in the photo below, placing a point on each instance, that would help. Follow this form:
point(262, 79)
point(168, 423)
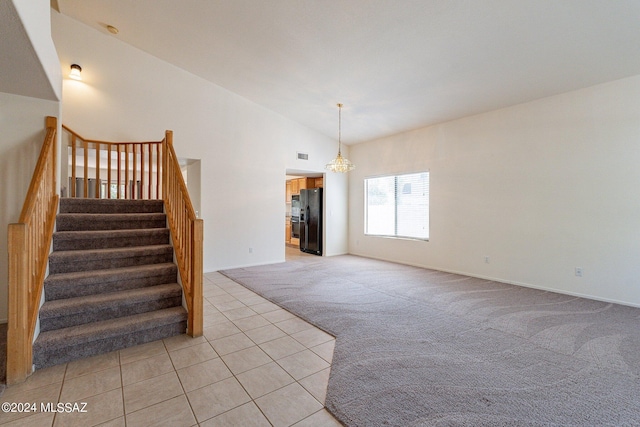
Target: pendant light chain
point(340, 164)
point(339, 129)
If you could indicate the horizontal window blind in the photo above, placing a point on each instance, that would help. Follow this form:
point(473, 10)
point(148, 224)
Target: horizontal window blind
point(398, 206)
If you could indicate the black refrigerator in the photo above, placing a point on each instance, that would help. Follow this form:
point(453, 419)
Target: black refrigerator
point(311, 221)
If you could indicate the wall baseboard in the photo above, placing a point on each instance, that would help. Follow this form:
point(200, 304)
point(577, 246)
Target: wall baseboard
point(509, 282)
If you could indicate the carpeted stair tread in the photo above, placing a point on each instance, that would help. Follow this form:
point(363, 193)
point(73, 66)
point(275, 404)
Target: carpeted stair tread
point(79, 205)
point(68, 312)
point(109, 328)
point(100, 259)
point(81, 283)
point(63, 345)
point(111, 283)
point(103, 239)
point(109, 221)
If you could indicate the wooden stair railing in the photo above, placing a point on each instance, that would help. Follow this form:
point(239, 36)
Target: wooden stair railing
point(29, 242)
point(186, 232)
point(133, 169)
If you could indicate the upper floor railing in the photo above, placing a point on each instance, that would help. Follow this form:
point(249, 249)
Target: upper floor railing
point(111, 170)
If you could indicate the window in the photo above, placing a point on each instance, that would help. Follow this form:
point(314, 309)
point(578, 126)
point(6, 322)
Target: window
point(397, 206)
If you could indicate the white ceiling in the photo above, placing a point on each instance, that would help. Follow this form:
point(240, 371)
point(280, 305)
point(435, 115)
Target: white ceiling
point(396, 65)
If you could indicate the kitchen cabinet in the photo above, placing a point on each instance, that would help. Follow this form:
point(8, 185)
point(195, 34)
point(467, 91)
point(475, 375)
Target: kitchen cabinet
point(287, 232)
point(302, 184)
point(295, 185)
point(287, 197)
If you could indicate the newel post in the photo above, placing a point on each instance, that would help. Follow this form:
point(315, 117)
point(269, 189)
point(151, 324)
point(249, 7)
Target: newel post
point(19, 356)
point(195, 321)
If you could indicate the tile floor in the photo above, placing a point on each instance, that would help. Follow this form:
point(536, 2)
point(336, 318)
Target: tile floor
point(256, 365)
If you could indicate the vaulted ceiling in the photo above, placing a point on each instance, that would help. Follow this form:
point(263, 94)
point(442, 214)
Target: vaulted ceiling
point(396, 65)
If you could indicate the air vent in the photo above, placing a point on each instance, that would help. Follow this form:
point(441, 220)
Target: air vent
point(303, 156)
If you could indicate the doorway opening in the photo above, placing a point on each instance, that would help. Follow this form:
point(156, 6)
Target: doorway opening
point(191, 173)
point(304, 213)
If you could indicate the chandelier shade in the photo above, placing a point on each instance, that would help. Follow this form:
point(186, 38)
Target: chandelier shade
point(340, 164)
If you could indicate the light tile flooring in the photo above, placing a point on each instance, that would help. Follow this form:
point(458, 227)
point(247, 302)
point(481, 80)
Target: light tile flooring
point(256, 365)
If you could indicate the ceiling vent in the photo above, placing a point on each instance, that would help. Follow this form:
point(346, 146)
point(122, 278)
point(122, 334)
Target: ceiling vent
point(303, 156)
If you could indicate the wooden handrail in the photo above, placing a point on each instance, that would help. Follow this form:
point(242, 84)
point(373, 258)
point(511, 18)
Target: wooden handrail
point(186, 232)
point(29, 242)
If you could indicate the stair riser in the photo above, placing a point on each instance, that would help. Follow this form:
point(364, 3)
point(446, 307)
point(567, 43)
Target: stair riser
point(73, 288)
point(106, 242)
point(69, 223)
point(70, 264)
point(112, 281)
point(45, 357)
point(106, 312)
point(69, 205)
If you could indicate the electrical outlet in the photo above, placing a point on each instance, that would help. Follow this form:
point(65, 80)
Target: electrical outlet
point(486, 260)
point(250, 250)
point(578, 271)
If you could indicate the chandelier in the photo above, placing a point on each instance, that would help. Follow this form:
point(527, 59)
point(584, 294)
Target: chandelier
point(340, 164)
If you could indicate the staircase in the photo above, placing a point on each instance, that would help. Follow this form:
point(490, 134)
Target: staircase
point(112, 281)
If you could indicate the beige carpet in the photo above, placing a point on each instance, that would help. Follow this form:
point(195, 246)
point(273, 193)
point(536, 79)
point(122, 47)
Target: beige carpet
point(419, 347)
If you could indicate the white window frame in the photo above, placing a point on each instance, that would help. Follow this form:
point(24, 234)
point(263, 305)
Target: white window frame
point(396, 192)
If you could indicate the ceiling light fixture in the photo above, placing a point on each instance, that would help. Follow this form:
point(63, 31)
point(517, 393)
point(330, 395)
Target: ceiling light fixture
point(340, 164)
point(112, 29)
point(75, 72)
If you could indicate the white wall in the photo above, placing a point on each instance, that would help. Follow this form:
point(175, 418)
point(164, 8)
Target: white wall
point(35, 18)
point(245, 149)
point(22, 118)
point(22, 121)
point(540, 188)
